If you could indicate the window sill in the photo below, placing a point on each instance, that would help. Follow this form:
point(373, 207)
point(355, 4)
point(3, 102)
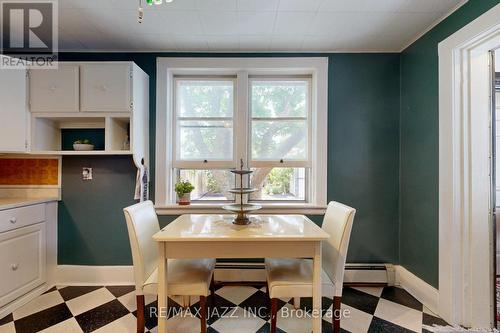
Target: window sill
point(216, 208)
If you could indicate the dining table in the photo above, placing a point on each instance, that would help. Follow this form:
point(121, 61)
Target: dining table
point(215, 236)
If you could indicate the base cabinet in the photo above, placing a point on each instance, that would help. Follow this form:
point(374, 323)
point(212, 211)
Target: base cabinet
point(28, 253)
point(22, 261)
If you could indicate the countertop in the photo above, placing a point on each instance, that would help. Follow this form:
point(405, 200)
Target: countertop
point(8, 203)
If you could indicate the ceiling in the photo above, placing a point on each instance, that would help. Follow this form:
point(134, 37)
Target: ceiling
point(248, 25)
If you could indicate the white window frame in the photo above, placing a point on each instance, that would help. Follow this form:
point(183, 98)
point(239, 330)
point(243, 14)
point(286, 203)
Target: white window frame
point(243, 68)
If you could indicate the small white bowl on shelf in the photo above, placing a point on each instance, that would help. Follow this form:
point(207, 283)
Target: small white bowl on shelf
point(83, 147)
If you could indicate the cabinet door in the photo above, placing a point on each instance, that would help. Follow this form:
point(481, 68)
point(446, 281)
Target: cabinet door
point(13, 110)
point(106, 87)
point(55, 90)
point(22, 261)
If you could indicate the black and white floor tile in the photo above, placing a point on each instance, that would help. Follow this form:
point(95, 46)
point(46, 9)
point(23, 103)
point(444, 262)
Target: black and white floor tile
point(112, 309)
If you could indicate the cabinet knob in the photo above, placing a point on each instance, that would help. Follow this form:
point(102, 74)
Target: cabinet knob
point(14, 267)
point(52, 88)
point(104, 87)
point(13, 220)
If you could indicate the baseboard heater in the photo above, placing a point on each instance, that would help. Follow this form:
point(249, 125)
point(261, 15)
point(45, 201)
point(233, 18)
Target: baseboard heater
point(355, 274)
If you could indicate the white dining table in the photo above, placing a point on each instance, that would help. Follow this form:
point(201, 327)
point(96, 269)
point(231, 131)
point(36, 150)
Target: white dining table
point(215, 236)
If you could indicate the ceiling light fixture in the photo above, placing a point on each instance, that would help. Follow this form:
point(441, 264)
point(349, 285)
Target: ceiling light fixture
point(140, 10)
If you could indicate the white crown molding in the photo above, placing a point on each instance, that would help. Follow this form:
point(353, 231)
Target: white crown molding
point(435, 23)
point(243, 52)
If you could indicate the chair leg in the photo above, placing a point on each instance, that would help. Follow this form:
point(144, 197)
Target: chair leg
point(274, 313)
point(141, 321)
point(203, 314)
point(336, 314)
point(186, 301)
point(212, 291)
point(268, 297)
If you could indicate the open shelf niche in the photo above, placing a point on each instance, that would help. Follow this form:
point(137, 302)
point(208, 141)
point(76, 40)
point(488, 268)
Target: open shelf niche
point(55, 134)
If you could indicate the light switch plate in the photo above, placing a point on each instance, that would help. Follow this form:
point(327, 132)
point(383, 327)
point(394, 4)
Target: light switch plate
point(87, 173)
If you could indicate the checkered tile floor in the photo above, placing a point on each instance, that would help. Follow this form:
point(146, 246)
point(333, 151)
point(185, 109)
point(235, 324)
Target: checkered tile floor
point(237, 309)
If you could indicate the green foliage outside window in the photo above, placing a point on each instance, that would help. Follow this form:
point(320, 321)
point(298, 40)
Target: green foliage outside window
point(278, 181)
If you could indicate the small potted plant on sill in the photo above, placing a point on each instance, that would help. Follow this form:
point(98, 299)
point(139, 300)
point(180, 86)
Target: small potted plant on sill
point(183, 190)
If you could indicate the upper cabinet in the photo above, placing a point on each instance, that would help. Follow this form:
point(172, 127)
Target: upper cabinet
point(106, 87)
point(13, 110)
point(55, 90)
point(82, 87)
point(104, 102)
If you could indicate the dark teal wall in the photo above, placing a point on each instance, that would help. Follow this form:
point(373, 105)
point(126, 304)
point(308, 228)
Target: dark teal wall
point(363, 164)
point(363, 140)
point(419, 144)
point(91, 226)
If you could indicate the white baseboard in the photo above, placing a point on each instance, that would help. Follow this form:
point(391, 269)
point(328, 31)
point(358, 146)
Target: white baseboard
point(369, 273)
point(354, 273)
point(418, 288)
point(71, 275)
point(20, 301)
point(68, 275)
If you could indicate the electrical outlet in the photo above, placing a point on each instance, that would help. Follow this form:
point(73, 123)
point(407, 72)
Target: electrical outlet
point(87, 173)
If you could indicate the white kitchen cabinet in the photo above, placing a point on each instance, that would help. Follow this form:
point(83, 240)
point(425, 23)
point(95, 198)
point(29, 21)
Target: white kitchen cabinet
point(22, 261)
point(13, 111)
point(106, 87)
point(55, 90)
point(21, 217)
point(114, 97)
point(28, 250)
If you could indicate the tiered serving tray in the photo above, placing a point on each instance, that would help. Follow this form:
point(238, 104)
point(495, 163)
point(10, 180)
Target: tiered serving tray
point(242, 209)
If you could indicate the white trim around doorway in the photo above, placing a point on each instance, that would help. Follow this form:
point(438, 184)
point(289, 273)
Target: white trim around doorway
point(465, 222)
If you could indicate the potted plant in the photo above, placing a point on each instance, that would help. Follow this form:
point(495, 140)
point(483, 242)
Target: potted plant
point(83, 145)
point(183, 190)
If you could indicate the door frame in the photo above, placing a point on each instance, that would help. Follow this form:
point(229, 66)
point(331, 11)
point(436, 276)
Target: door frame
point(465, 221)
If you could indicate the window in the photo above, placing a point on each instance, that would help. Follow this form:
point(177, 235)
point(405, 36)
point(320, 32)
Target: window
point(212, 117)
point(204, 110)
point(280, 126)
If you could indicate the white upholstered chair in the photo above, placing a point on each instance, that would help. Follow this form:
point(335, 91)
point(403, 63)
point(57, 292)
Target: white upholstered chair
point(293, 277)
point(186, 277)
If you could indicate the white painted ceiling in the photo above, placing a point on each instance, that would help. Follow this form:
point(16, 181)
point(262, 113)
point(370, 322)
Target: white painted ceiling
point(248, 25)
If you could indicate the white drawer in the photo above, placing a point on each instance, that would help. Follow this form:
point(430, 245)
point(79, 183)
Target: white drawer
point(20, 217)
point(22, 261)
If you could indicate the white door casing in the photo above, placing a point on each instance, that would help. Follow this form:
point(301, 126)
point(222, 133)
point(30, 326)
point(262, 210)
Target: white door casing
point(465, 223)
